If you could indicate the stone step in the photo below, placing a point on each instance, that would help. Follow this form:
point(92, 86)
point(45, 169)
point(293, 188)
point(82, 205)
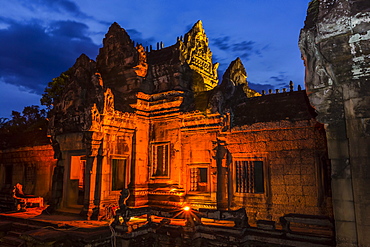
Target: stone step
point(13, 241)
point(5, 245)
point(5, 225)
point(14, 234)
point(21, 227)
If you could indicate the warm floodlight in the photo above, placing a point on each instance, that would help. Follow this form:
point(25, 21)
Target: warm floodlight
point(186, 208)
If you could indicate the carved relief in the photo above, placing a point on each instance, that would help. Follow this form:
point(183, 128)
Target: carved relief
point(108, 102)
point(68, 100)
point(320, 79)
point(95, 118)
point(142, 68)
point(319, 72)
point(96, 79)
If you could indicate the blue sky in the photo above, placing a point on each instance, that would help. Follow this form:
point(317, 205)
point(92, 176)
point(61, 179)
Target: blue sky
point(40, 39)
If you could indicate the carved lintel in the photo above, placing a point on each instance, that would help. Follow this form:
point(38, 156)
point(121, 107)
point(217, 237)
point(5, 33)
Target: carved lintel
point(93, 141)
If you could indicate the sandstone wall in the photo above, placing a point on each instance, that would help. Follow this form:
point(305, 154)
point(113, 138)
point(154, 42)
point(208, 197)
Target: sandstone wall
point(31, 166)
point(294, 173)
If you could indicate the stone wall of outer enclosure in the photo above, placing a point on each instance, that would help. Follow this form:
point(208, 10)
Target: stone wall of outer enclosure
point(293, 154)
point(197, 149)
point(30, 166)
point(335, 45)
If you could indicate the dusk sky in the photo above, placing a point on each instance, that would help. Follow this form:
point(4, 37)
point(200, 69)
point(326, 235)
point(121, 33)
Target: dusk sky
point(40, 39)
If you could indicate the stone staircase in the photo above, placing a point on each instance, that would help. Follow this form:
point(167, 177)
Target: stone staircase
point(11, 232)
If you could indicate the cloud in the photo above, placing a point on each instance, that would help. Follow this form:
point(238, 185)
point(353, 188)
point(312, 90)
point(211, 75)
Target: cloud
point(259, 87)
point(279, 78)
point(138, 37)
point(222, 43)
point(243, 49)
point(244, 46)
point(16, 97)
point(60, 6)
point(280, 81)
point(32, 54)
point(69, 30)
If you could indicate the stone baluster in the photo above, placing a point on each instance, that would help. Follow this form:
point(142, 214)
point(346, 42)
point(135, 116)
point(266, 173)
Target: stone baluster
point(291, 86)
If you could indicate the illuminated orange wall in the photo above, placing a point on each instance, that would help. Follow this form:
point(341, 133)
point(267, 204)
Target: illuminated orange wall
point(40, 158)
point(294, 177)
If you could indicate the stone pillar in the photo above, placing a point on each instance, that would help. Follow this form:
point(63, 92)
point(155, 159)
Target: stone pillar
point(357, 114)
point(342, 189)
point(57, 188)
point(90, 181)
point(92, 197)
point(335, 45)
point(222, 173)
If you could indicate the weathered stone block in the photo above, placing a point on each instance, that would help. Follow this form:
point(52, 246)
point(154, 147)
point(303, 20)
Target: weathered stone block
point(294, 190)
point(343, 210)
point(293, 179)
point(308, 180)
point(296, 201)
point(348, 233)
point(310, 191)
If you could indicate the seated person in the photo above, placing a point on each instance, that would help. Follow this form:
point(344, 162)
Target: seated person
point(18, 192)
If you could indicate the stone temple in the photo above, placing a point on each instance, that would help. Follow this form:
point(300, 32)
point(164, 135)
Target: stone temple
point(161, 125)
point(157, 122)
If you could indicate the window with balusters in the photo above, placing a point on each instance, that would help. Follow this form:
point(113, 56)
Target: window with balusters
point(160, 160)
point(199, 179)
point(249, 176)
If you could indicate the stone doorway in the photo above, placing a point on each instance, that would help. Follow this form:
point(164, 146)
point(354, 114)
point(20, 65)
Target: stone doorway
point(76, 184)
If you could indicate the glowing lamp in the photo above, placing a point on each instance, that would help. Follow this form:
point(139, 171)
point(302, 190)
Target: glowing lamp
point(186, 208)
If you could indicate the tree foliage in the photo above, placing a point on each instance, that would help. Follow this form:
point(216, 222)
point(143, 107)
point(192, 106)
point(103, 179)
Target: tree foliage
point(24, 129)
point(54, 90)
point(3, 121)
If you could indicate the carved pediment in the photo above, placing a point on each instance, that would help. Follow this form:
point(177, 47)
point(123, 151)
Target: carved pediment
point(197, 54)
